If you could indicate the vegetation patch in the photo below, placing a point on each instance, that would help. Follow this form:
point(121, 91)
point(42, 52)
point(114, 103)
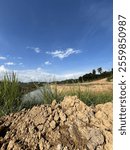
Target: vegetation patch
point(11, 93)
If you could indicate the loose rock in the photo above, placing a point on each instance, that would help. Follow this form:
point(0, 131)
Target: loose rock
point(70, 125)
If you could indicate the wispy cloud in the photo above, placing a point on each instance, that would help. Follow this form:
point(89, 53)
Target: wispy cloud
point(2, 58)
point(47, 63)
point(10, 63)
point(63, 53)
point(36, 49)
point(20, 63)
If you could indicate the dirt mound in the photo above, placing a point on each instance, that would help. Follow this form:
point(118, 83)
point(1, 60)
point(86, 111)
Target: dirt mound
point(70, 125)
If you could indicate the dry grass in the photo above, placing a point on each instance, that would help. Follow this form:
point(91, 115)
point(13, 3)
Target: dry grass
point(94, 86)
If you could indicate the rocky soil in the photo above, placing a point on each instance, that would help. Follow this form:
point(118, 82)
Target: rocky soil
point(70, 125)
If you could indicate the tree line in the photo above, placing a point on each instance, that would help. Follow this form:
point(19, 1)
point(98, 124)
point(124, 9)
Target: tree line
point(94, 75)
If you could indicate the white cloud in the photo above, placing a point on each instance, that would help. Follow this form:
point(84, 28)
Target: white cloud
point(63, 53)
point(2, 58)
point(36, 49)
point(38, 74)
point(47, 63)
point(2, 69)
point(10, 63)
point(39, 69)
point(41, 75)
point(33, 75)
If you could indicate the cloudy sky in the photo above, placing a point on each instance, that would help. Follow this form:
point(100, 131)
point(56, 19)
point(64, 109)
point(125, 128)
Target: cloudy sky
point(45, 39)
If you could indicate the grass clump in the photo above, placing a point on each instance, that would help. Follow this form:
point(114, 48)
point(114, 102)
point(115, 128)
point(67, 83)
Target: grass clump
point(96, 98)
point(50, 93)
point(89, 97)
point(10, 95)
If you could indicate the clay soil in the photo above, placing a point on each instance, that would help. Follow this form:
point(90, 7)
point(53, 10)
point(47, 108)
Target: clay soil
point(69, 125)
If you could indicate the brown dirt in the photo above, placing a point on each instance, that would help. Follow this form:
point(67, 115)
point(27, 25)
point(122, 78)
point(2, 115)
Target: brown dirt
point(70, 125)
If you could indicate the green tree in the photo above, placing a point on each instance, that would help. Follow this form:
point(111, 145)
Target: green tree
point(99, 70)
point(93, 71)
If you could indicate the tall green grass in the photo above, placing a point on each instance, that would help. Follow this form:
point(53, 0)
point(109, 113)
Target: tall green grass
point(46, 97)
point(48, 94)
point(10, 95)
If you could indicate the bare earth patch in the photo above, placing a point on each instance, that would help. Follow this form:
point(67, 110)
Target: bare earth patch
point(70, 125)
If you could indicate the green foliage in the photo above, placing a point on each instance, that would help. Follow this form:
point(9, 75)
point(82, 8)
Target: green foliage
point(49, 94)
point(99, 70)
point(92, 76)
point(9, 94)
point(109, 79)
point(96, 98)
point(88, 97)
point(93, 71)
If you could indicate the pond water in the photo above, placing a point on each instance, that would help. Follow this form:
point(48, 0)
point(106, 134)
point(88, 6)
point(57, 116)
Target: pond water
point(34, 95)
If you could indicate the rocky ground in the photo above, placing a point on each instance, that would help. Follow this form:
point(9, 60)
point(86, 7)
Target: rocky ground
point(70, 125)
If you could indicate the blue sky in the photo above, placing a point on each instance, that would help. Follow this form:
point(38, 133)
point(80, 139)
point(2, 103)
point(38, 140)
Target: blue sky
point(62, 38)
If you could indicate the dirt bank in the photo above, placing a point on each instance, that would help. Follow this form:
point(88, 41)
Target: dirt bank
point(70, 125)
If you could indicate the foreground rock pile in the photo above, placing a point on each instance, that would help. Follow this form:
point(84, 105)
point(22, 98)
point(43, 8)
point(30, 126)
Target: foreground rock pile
point(70, 125)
